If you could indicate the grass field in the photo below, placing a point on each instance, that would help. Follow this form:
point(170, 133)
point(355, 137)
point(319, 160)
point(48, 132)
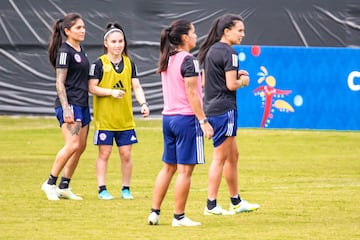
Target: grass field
point(307, 183)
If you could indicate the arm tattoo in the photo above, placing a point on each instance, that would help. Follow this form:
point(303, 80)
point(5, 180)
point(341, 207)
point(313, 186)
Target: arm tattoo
point(60, 86)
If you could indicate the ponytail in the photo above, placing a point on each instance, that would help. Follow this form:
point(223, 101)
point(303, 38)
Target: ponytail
point(170, 38)
point(216, 32)
point(55, 42)
point(58, 32)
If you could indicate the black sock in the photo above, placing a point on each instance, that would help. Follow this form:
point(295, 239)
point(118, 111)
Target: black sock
point(102, 188)
point(52, 180)
point(235, 200)
point(211, 204)
point(64, 183)
point(125, 188)
point(157, 211)
point(179, 216)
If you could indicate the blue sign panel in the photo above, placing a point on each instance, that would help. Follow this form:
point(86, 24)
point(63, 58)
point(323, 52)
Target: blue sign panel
point(300, 87)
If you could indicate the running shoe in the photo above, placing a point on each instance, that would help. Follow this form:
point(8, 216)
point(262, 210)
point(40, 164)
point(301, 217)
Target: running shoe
point(105, 195)
point(50, 191)
point(66, 193)
point(244, 206)
point(154, 219)
point(125, 194)
point(185, 222)
point(217, 211)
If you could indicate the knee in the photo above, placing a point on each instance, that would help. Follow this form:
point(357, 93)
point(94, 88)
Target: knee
point(170, 168)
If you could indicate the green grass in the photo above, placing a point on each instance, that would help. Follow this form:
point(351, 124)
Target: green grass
point(307, 183)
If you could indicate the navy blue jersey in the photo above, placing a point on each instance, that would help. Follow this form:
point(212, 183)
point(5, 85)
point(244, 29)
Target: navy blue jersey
point(190, 67)
point(97, 72)
point(76, 82)
point(218, 98)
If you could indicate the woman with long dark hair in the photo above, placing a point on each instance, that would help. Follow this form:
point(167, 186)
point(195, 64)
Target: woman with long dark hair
point(184, 122)
point(222, 79)
point(71, 105)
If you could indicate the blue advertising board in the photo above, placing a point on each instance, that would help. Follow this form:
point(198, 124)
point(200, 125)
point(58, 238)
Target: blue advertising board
point(300, 87)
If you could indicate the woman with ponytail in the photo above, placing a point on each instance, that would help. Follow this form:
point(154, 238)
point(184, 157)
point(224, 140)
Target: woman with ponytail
point(71, 104)
point(184, 122)
point(222, 78)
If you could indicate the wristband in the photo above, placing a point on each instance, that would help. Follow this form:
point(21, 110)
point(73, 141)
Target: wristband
point(145, 103)
point(205, 120)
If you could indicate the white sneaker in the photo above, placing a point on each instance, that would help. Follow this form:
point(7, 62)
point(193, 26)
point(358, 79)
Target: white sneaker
point(244, 206)
point(66, 193)
point(217, 211)
point(185, 222)
point(50, 191)
point(154, 218)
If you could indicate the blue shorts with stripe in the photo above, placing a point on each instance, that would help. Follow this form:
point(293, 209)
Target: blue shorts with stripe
point(81, 114)
point(224, 125)
point(122, 138)
point(183, 140)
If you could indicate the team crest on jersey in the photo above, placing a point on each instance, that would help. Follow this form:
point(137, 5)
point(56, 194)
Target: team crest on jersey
point(77, 58)
point(107, 67)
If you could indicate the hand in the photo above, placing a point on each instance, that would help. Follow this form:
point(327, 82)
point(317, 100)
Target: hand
point(145, 110)
point(242, 72)
point(243, 76)
point(207, 130)
point(68, 115)
point(245, 80)
point(117, 93)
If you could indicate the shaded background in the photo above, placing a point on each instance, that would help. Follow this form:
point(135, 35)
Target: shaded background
point(27, 81)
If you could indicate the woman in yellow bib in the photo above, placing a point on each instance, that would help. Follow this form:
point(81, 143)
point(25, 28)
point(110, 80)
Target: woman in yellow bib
point(112, 79)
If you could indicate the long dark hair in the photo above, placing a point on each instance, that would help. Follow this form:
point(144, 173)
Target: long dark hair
point(58, 31)
point(170, 38)
point(115, 25)
point(216, 32)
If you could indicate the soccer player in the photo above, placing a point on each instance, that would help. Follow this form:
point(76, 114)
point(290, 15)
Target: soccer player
point(112, 79)
point(72, 103)
point(222, 79)
point(184, 122)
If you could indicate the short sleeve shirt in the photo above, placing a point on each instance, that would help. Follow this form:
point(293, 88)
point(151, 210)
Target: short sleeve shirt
point(76, 82)
point(97, 69)
point(218, 98)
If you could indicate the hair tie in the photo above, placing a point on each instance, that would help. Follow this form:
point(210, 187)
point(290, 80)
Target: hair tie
point(112, 30)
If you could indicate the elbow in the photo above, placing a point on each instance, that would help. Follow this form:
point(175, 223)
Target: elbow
point(231, 87)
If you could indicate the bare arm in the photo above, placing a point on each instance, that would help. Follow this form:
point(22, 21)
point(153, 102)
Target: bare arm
point(196, 106)
point(102, 92)
point(234, 81)
point(140, 97)
point(61, 74)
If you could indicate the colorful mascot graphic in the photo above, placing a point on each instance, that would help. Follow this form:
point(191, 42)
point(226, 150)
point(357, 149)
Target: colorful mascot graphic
point(269, 96)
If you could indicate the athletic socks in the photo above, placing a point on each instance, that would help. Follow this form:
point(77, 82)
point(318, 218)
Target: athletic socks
point(125, 188)
point(52, 180)
point(235, 200)
point(64, 183)
point(211, 204)
point(157, 211)
point(102, 188)
point(179, 216)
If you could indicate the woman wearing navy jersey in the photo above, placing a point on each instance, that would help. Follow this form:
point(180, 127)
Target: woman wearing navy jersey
point(71, 105)
point(184, 122)
point(221, 80)
point(112, 80)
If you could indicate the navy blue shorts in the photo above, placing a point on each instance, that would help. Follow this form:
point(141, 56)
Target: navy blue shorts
point(81, 114)
point(183, 140)
point(122, 138)
point(224, 125)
